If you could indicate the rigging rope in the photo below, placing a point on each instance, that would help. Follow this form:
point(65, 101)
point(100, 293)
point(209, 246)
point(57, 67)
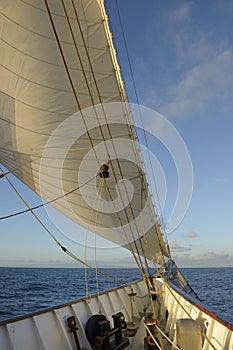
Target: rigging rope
point(166, 284)
point(79, 107)
point(95, 253)
point(97, 198)
point(137, 98)
point(140, 114)
point(64, 249)
point(46, 203)
point(100, 126)
point(137, 259)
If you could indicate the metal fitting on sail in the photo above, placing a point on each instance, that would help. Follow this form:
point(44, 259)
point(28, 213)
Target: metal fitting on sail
point(104, 171)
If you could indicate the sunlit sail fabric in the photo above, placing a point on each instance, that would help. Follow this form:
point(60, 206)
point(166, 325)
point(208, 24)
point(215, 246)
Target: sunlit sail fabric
point(57, 62)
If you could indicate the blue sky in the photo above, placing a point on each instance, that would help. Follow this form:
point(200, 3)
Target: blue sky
point(182, 58)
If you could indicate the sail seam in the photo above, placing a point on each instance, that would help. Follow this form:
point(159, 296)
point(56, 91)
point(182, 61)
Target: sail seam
point(52, 64)
point(102, 77)
point(90, 23)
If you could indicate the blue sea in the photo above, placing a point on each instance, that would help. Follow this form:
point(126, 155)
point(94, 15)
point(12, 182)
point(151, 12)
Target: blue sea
point(24, 290)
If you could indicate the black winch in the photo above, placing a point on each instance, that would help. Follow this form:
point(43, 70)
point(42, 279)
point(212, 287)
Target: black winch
point(100, 334)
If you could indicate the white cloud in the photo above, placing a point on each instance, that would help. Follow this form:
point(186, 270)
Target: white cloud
point(205, 83)
point(180, 14)
point(220, 179)
point(208, 259)
point(175, 247)
point(191, 234)
point(194, 71)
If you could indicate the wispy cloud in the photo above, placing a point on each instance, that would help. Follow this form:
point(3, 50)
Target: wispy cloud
point(180, 14)
point(191, 234)
point(195, 69)
point(175, 247)
point(205, 83)
point(220, 179)
point(208, 259)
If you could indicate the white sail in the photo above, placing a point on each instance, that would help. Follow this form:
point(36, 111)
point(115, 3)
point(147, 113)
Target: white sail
point(63, 115)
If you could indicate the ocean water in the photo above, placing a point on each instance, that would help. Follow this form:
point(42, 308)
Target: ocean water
point(24, 290)
point(214, 287)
